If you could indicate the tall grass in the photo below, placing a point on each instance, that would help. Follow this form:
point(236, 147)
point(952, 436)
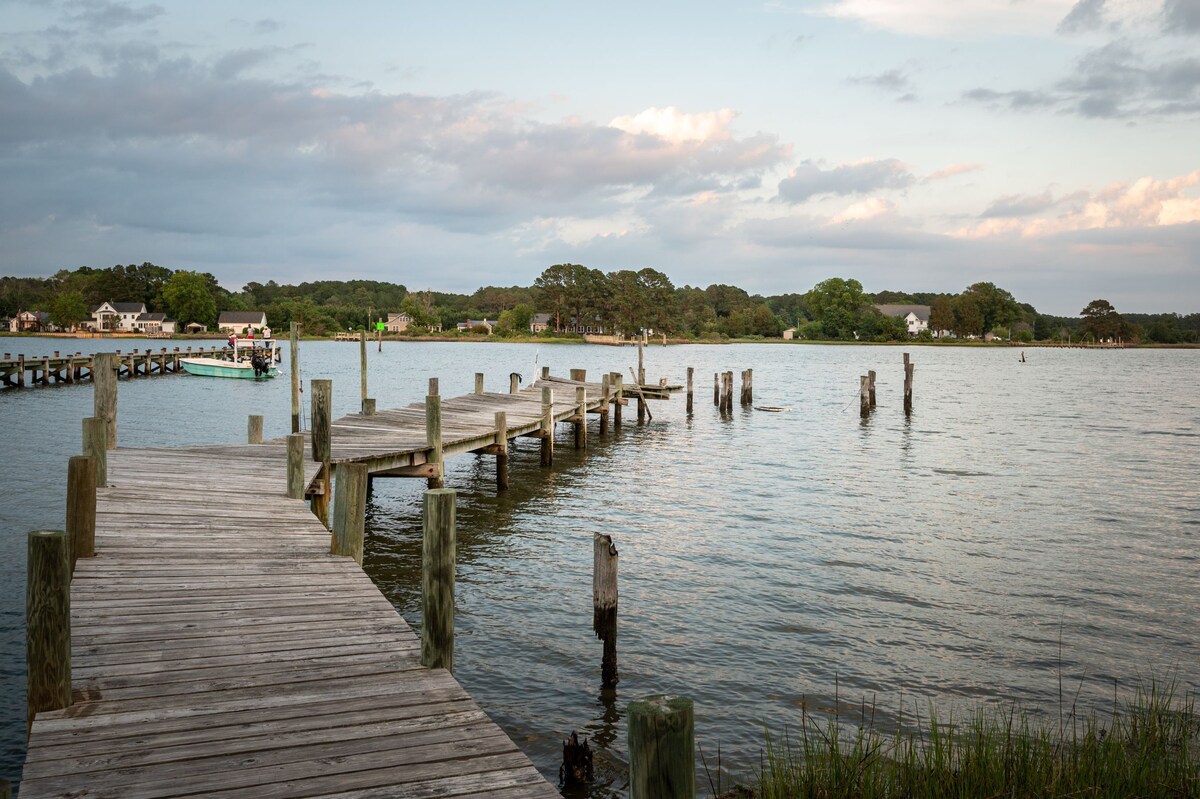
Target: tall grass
point(1148, 746)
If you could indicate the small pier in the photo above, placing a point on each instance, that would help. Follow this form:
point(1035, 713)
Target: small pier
point(59, 368)
point(218, 648)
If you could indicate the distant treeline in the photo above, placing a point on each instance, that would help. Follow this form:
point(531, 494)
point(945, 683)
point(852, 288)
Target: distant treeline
point(577, 298)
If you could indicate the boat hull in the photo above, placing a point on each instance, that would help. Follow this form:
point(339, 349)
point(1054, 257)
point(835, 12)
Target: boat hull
point(211, 367)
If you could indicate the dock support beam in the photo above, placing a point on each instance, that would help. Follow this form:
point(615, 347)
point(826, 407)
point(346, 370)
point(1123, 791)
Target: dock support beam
point(581, 425)
point(605, 387)
point(254, 430)
point(104, 382)
point(95, 438)
point(48, 623)
point(662, 745)
point(547, 426)
point(322, 403)
point(349, 510)
point(295, 473)
point(502, 451)
point(437, 580)
point(294, 360)
point(620, 389)
point(81, 507)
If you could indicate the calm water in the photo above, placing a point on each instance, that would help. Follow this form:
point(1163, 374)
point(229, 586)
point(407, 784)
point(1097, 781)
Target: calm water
point(1028, 520)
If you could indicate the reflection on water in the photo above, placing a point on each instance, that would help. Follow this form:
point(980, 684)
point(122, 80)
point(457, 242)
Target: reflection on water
point(1026, 520)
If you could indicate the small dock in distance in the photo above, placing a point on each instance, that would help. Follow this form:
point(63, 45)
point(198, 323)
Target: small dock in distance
point(45, 370)
point(219, 648)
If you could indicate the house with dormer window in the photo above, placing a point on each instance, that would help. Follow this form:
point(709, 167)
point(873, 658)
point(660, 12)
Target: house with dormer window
point(116, 316)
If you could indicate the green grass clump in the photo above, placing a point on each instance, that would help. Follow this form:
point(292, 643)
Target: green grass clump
point(1148, 746)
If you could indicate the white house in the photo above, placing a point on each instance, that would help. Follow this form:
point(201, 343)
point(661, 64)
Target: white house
point(116, 315)
point(398, 322)
point(916, 317)
point(541, 321)
point(30, 322)
point(471, 324)
point(241, 321)
point(154, 323)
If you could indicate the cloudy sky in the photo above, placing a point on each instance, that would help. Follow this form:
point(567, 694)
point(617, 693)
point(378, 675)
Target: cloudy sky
point(1049, 146)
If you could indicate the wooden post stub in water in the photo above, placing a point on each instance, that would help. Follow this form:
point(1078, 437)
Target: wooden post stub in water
point(547, 428)
point(437, 580)
point(662, 745)
point(48, 623)
point(254, 429)
point(717, 389)
point(295, 467)
point(690, 372)
point(294, 360)
point(605, 388)
point(871, 386)
point(576, 770)
point(95, 445)
point(581, 410)
point(433, 434)
point(908, 384)
point(81, 507)
point(479, 382)
point(104, 384)
point(864, 397)
point(604, 573)
point(749, 386)
point(349, 511)
point(502, 453)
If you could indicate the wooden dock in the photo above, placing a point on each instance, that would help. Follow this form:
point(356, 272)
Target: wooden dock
point(44, 370)
point(220, 650)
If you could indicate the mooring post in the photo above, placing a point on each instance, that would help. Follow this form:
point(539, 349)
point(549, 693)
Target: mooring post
point(749, 386)
point(604, 604)
point(433, 434)
point(294, 361)
point(620, 378)
point(605, 387)
point(864, 397)
point(871, 385)
point(641, 375)
point(295, 473)
point(254, 430)
point(502, 451)
point(479, 382)
point(48, 623)
point(547, 428)
point(322, 444)
point(514, 383)
point(545, 372)
point(437, 580)
point(581, 425)
point(908, 384)
point(81, 507)
point(717, 389)
point(95, 445)
point(690, 372)
point(104, 382)
point(349, 510)
point(662, 745)
point(362, 370)
point(368, 408)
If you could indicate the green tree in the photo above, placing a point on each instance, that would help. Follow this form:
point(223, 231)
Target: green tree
point(968, 318)
point(941, 314)
point(68, 309)
point(997, 307)
point(1101, 319)
point(189, 298)
point(836, 294)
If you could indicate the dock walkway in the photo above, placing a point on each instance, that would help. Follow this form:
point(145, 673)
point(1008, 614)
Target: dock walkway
point(220, 650)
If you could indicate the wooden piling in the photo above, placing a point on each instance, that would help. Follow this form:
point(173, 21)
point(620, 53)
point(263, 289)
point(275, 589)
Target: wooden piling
point(547, 427)
point(362, 370)
point(908, 384)
point(81, 507)
point(581, 425)
point(871, 386)
point(605, 388)
point(21, 371)
point(433, 434)
point(104, 387)
point(48, 623)
point(620, 389)
point(579, 375)
point(604, 604)
point(349, 510)
point(641, 373)
point(749, 386)
point(368, 408)
point(295, 468)
point(294, 360)
point(437, 580)
point(479, 382)
point(545, 372)
point(514, 383)
point(95, 437)
point(662, 745)
point(502, 451)
point(717, 389)
point(322, 404)
point(690, 371)
point(254, 430)
point(864, 397)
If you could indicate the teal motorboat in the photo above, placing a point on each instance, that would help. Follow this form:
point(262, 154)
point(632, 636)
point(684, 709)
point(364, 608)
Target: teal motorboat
point(249, 363)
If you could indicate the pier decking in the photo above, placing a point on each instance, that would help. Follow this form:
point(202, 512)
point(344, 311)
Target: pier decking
point(220, 650)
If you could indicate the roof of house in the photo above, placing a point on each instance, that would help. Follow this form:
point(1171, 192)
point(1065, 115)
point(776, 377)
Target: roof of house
point(399, 317)
point(920, 311)
point(123, 307)
point(241, 317)
point(541, 318)
point(152, 317)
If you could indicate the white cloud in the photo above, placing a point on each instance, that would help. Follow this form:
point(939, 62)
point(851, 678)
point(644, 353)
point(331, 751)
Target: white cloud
point(870, 208)
point(675, 126)
point(952, 170)
point(956, 18)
